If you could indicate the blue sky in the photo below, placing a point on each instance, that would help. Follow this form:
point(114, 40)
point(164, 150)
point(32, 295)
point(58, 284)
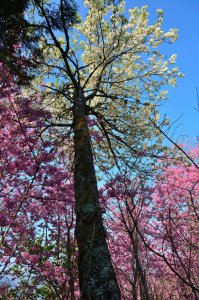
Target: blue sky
point(183, 15)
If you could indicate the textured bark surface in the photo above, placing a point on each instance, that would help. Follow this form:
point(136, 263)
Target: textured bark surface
point(96, 274)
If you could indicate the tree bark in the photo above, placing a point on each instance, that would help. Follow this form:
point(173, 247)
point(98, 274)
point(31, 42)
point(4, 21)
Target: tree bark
point(96, 274)
point(146, 295)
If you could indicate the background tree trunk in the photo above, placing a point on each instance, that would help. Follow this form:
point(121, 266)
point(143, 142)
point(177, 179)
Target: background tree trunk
point(96, 273)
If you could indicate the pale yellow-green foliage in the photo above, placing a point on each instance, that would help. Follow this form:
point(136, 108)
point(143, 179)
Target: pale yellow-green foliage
point(123, 50)
point(117, 59)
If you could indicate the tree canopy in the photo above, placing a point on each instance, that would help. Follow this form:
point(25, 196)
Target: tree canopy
point(93, 204)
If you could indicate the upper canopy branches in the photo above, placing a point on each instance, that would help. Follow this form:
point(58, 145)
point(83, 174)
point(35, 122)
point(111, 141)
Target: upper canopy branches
point(112, 58)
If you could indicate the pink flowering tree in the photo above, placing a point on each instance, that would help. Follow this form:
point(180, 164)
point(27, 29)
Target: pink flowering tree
point(38, 251)
point(174, 225)
point(153, 232)
point(126, 202)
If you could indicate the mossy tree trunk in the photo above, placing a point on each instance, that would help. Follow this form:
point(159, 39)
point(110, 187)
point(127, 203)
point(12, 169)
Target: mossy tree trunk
point(96, 274)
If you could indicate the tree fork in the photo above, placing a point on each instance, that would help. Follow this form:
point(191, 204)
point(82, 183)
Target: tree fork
point(96, 274)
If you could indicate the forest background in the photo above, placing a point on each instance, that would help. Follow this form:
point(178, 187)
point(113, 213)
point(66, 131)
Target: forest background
point(67, 125)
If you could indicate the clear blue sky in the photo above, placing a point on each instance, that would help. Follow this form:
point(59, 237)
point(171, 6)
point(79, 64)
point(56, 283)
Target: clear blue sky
point(184, 15)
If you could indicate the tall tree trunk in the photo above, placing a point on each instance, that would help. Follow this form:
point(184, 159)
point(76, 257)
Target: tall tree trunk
point(96, 274)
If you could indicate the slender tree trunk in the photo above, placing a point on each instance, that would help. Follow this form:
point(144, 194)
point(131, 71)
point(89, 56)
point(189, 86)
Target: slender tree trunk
point(134, 285)
point(139, 267)
point(96, 274)
point(70, 266)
